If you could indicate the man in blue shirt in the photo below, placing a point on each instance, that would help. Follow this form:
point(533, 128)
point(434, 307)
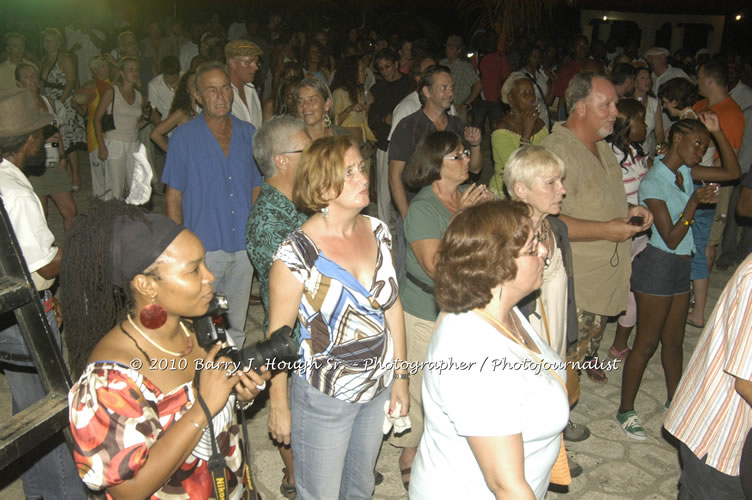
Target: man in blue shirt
point(212, 181)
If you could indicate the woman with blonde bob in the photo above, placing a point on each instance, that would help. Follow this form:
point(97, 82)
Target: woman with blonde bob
point(491, 431)
point(335, 275)
point(534, 174)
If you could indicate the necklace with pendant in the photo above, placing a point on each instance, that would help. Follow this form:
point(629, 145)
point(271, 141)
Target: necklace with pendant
point(542, 236)
point(181, 354)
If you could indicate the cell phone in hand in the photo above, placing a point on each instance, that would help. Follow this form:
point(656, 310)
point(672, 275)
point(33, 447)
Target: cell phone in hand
point(637, 220)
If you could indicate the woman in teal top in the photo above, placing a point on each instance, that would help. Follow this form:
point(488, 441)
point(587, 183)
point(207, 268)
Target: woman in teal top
point(438, 168)
point(660, 274)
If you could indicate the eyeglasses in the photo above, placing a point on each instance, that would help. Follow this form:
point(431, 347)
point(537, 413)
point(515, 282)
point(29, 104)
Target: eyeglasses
point(462, 155)
point(291, 152)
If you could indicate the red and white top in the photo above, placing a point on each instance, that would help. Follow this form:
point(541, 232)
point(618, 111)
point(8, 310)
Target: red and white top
point(633, 169)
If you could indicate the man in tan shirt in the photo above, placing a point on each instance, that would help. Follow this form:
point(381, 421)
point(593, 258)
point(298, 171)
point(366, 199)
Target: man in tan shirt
point(597, 216)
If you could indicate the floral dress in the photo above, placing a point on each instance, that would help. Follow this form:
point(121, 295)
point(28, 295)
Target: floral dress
point(74, 128)
point(117, 414)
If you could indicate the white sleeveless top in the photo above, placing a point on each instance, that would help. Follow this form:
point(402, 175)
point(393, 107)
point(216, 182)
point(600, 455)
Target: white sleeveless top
point(126, 118)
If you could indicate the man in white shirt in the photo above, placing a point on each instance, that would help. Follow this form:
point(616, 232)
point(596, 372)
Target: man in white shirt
point(190, 49)
point(662, 71)
point(657, 57)
point(54, 475)
point(162, 88)
point(738, 90)
point(242, 64)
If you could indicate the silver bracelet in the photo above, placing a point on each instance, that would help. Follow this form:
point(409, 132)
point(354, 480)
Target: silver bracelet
point(402, 376)
point(198, 426)
point(243, 406)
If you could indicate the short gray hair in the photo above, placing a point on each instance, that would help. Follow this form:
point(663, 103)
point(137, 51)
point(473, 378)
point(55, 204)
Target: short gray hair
point(527, 163)
point(509, 84)
point(205, 68)
point(273, 138)
point(579, 88)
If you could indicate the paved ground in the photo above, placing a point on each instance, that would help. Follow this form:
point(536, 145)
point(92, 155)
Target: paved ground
point(616, 467)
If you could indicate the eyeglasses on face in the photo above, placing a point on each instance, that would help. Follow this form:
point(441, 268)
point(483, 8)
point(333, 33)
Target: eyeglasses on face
point(291, 152)
point(460, 156)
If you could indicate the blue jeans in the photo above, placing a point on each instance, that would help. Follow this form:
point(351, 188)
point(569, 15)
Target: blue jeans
point(52, 475)
point(701, 233)
point(233, 275)
point(335, 443)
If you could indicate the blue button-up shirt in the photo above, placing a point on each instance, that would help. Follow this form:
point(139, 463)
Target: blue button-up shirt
point(216, 188)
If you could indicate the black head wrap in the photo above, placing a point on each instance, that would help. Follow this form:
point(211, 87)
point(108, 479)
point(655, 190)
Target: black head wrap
point(137, 243)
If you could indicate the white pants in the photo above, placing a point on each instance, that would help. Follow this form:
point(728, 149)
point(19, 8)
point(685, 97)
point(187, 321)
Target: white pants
point(118, 170)
point(97, 174)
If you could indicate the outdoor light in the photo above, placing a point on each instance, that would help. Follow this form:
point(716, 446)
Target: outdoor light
point(605, 18)
point(470, 54)
point(738, 17)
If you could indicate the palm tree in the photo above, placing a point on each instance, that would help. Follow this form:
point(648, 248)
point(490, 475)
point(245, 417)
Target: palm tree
point(508, 18)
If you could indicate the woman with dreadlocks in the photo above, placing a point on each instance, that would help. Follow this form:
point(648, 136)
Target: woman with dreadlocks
point(130, 280)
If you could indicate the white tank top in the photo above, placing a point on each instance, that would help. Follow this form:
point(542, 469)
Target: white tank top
point(126, 117)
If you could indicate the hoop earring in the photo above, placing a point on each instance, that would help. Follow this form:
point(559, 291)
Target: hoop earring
point(153, 316)
point(327, 121)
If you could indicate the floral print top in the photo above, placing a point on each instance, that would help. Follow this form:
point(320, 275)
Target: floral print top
point(117, 414)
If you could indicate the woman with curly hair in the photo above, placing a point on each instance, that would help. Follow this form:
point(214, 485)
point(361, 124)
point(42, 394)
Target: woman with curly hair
point(349, 99)
point(314, 61)
point(629, 132)
point(291, 70)
point(59, 81)
point(491, 430)
point(183, 110)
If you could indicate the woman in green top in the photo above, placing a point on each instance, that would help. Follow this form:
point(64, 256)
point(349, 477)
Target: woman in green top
point(438, 167)
point(518, 127)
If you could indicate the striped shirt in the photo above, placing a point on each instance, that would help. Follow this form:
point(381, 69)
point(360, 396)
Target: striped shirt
point(707, 414)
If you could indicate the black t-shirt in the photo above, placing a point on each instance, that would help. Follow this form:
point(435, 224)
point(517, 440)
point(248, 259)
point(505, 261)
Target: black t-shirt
point(386, 96)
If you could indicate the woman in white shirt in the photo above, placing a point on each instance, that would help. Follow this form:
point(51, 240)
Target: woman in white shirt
point(493, 391)
point(117, 146)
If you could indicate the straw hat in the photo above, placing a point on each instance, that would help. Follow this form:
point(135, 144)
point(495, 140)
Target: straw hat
point(19, 113)
point(242, 48)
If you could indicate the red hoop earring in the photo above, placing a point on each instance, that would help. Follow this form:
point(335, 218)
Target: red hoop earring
point(153, 316)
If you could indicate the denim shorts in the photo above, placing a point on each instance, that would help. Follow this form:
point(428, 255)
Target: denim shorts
point(657, 272)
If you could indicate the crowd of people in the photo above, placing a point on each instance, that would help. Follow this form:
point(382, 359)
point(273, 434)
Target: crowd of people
point(615, 185)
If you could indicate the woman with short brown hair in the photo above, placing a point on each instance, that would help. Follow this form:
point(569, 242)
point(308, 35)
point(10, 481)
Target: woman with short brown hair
point(494, 418)
point(335, 275)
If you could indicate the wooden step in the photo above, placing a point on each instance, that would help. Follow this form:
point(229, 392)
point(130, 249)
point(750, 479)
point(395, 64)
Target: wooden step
point(32, 426)
point(14, 293)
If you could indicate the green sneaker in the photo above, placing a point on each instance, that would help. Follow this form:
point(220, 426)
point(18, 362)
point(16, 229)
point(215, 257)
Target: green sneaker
point(631, 425)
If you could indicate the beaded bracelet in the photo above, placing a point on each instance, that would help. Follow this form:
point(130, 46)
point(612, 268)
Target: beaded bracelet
point(686, 222)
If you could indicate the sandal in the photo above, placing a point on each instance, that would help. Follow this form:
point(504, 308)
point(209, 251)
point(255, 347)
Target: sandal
point(287, 488)
point(695, 325)
point(403, 472)
point(614, 353)
point(595, 372)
